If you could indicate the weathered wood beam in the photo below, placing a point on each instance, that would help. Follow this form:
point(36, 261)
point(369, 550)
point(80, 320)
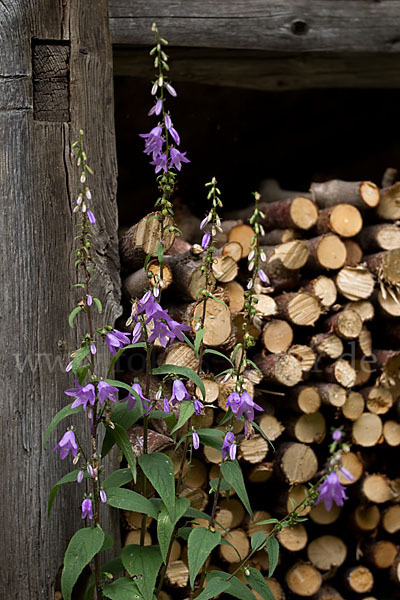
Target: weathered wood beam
point(49, 89)
point(272, 25)
point(259, 70)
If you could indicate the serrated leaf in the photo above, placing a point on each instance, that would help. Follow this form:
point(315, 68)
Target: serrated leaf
point(122, 589)
point(68, 478)
point(273, 554)
point(159, 470)
point(210, 351)
point(183, 372)
point(211, 437)
point(258, 540)
point(73, 314)
point(213, 588)
point(117, 478)
point(122, 439)
point(144, 561)
point(258, 583)
point(82, 548)
point(166, 524)
point(62, 414)
point(201, 543)
point(98, 304)
point(233, 474)
point(186, 411)
point(237, 588)
point(129, 500)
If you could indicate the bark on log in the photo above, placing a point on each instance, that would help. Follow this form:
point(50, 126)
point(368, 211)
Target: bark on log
point(188, 276)
point(385, 236)
point(326, 251)
point(354, 253)
point(386, 266)
point(139, 282)
point(278, 236)
point(362, 194)
point(295, 213)
point(389, 206)
point(343, 219)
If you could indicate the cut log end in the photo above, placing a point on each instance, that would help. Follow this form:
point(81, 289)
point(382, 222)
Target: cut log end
point(303, 579)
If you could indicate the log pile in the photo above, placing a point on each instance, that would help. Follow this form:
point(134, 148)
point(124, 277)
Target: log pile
point(328, 350)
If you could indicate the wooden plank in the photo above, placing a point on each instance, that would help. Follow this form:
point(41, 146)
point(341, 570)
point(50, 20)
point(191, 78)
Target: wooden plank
point(258, 70)
point(272, 25)
point(38, 187)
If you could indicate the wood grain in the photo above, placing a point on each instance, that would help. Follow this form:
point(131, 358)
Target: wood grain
point(38, 187)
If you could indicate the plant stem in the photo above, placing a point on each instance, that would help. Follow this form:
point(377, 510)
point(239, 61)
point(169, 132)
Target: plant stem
point(145, 437)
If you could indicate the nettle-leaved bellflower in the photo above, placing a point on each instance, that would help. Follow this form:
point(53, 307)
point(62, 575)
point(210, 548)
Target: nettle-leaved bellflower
point(196, 440)
point(179, 392)
point(116, 340)
point(87, 508)
point(331, 491)
point(242, 404)
point(133, 399)
point(67, 444)
point(83, 395)
point(164, 328)
point(229, 446)
point(106, 392)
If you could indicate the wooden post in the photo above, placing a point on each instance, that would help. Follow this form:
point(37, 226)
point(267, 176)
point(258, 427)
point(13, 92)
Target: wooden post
point(55, 78)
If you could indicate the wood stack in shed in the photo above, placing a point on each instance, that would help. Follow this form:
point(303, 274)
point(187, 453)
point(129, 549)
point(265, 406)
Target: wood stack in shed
point(328, 349)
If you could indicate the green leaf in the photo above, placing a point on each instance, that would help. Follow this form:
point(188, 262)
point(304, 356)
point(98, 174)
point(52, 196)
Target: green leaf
point(233, 475)
point(84, 545)
point(223, 486)
point(258, 540)
point(160, 254)
point(211, 437)
point(108, 542)
point(125, 418)
point(81, 373)
point(121, 351)
point(210, 351)
point(258, 583)
point(79, 357)
point(145, 561)
point(273, 554)
point(237, 588)
point(189, 342)
point(159, 469)
point(266, 438)
point(268, 522)
point(166, 525)
point(118, 478)
point(113, 567)
point(183, 372)
point(121, 385)
point(62, 414)
point(129, 500)
point(201, 543)
point(73, 314)
point(198, 339)
point(122, 589)
point(186, 411)
point(122, 439)
point(98, 304)
point(213, 588)
point(68, 478)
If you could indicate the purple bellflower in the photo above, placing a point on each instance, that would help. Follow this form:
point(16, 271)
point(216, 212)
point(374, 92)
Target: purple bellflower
point(116, 339)
point(337, 435)
point(198, 407)
point(205, 240)
point(80, 476)
point(346, 473)
point(331, 491)
point(179, 392)
point(177, 158)
point(91, 217)
point(156, 109)
point(229, 446)
point(132, 399)
point(103, 496)
point(106, 392)
point(87, 508)
point(166, 406)
point(154, 141)
point(263, 276)
point(83, 395)
point(136, 333)
point(171, 90)
point(67, 444)
point(196, 440)
point(242, 404)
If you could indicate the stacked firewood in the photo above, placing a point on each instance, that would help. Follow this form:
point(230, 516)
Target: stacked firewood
point(327, 347)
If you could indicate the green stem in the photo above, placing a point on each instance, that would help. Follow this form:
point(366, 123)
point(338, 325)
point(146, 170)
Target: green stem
point(145, 437)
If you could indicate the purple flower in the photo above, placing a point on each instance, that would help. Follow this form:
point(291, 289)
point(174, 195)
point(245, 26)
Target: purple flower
point(80, 476)
point(205, 240)
point(346, 473)
point(106, 392)
point(67, 444)
point(168, 122)
point(89, 300)
point(166, 406)
point(160, 162)
point(171, 90)
point(93, 348)
point(103, 496)
point(91, 217)
point(156, 109)
point(179, 392)
point(337, 435)
point(264, 278)
point(116, 339)
point(132, 399)
point(90, 470)
point(154, 141)
point(83, 395)
point(177, 158)
point(136, 333)
point(198, 407)
point(87, 508)
point(68, 368)
point(175, 136)
point(205, 222)
point(161, 332)
point(242, 404)
point(331, 490)
point(177, 328)
point(229, 446)
point(196, 440)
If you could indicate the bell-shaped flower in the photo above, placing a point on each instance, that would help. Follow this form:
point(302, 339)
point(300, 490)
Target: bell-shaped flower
point(331, 491)
point(83, 395)
point(87, 508)
point(196, 440)
point(106, 392)
point(67, 444)
point(116, 339)
point(247, 406)
point(179, 392)
point(229, 446)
